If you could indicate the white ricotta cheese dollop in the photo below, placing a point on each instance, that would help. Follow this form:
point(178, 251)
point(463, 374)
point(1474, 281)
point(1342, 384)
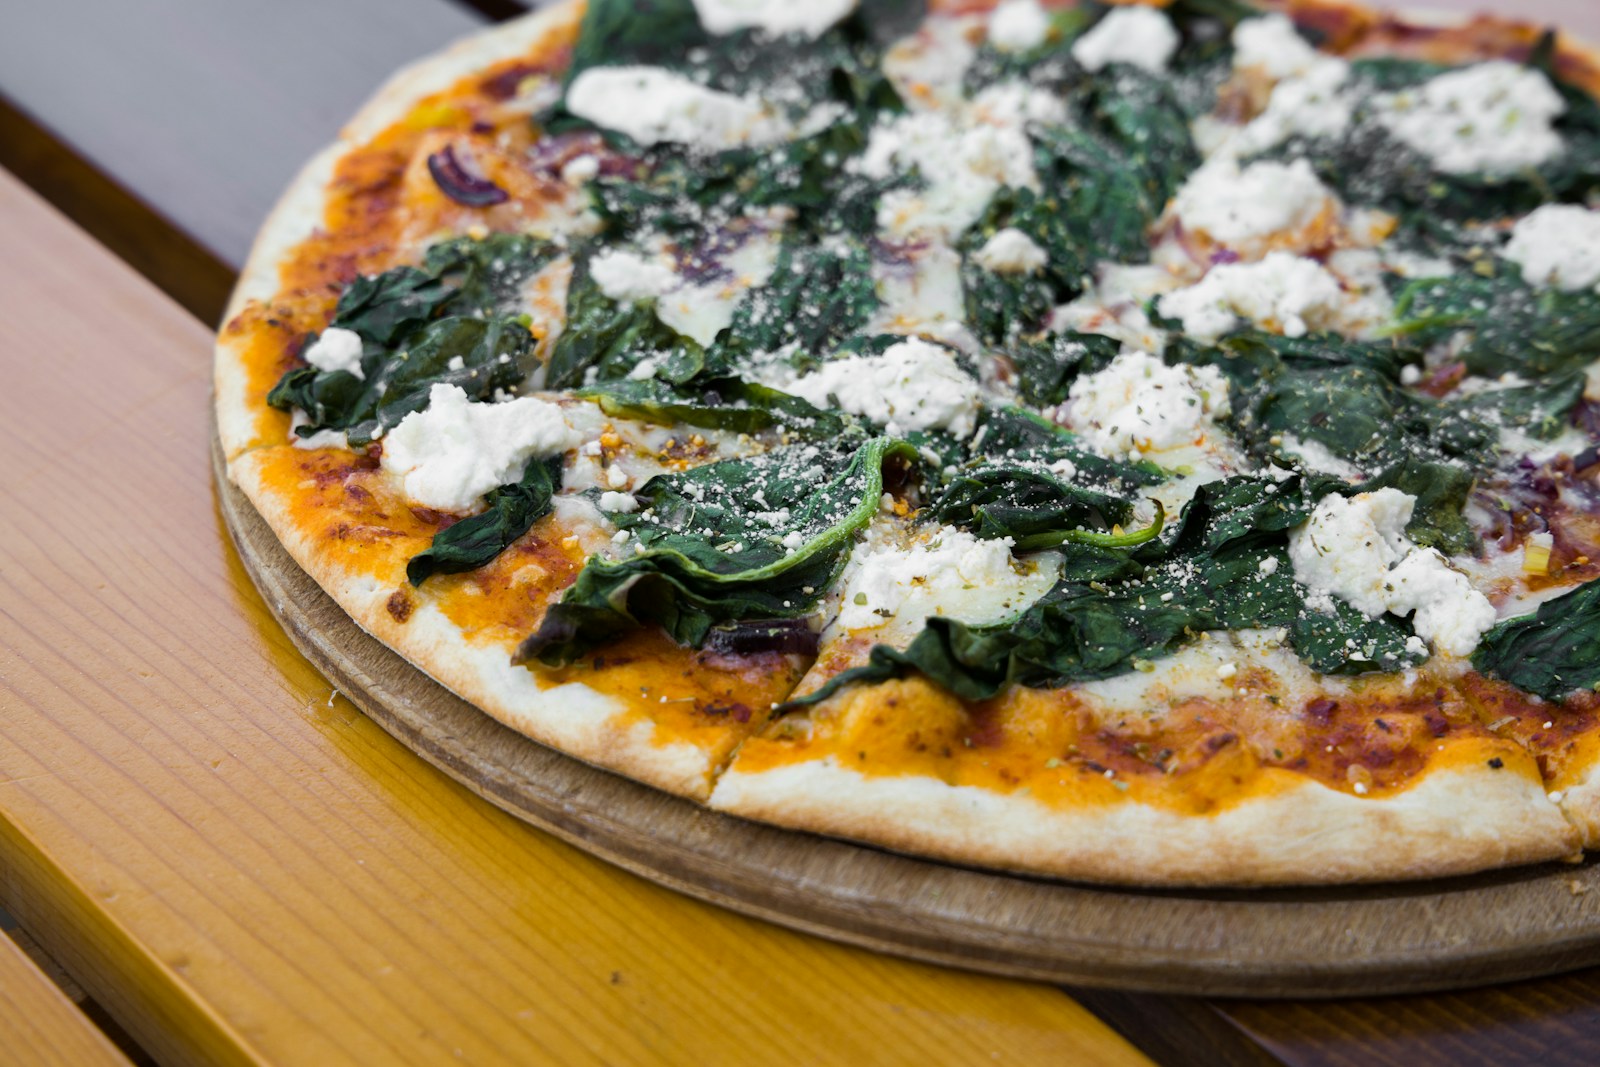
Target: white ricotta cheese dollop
point(1356, 549)
point(1140, 36)
point(1272, 45)
point(1558, 246)
point(914, 385)
point(1309, 105)
point(962, 163)
point(1138, 405)
point(1490, 118)
point(453, 451)
point(1282, 292)
point(1018, 26)
point(1010, 251)
point(336, 349)
point(1234, 206)
point(654, 106)
point(811, 18)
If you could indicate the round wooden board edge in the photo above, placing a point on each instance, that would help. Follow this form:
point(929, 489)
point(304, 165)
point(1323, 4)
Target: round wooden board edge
point(1274, 943)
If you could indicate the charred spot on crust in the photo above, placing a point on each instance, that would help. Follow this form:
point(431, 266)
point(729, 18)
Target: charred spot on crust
point(399, 605)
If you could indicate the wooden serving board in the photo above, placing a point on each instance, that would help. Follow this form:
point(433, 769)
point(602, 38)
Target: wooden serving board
point(1396, 938)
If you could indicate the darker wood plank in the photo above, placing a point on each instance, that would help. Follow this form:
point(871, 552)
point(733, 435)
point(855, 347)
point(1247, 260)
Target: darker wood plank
point(1550, 1022)
point(1183, 1031)
point(201, 111)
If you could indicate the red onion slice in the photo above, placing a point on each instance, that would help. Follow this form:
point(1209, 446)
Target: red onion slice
point(460, 180)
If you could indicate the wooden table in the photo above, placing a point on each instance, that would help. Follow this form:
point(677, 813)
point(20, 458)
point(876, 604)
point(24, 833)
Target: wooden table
point(237, 866)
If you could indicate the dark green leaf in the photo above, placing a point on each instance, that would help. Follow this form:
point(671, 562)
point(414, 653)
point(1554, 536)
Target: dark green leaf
point(476, 540)
point(1553, 652)
point(718, 403)
point(758, 538)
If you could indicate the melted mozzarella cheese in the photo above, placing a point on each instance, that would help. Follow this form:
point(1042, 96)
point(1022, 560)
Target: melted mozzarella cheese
point(893, 582)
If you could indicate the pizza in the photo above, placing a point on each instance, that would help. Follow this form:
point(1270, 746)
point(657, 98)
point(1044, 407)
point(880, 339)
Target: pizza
point(1150, 443)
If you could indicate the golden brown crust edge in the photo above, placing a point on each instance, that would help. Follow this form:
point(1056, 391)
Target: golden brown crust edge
point(1452, 821)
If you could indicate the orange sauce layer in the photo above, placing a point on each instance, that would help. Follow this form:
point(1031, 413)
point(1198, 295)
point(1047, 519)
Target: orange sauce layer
point(1197, 757)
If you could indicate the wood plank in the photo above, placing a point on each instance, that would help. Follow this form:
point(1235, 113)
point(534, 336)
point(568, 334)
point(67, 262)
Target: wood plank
point(40, 1026)
point(244, 869)
point(1552, 1022)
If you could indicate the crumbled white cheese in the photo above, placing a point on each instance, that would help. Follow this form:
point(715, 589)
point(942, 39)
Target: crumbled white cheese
point(1284, 293)
point(630, 277)
point(1268, 565)
point(453, 451)
point(1226, 671)
point(963, 165)
point(914, 385)
point(1308, 105)
point(1138, 404)
point(1010, 251)
point(1272, 45)
point(1018, 26)
point(1558, 245)
point(624, 503)
point(1234, 206)
point(336, 349)
point(950, 573)
point(1490, 118)
point(1356, 549)
point(810, 18)
point(653, 105)
point(1141, 36)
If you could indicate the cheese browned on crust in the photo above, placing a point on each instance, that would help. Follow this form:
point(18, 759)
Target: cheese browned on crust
point(1219, 757)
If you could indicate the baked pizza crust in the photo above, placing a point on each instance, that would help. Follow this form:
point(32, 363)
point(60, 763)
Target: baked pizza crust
point(1449, 819)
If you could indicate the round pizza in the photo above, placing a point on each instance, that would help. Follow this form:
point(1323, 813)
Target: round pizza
point(1137, 443)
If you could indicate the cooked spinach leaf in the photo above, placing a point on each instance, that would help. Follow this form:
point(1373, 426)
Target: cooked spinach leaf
point(730, 404)
point(758, 538)
point(476, 540)
point(1506, 324)
point(1442, 491)
point(1553, 652)
point(478, 355)
point(413, 322)
point(604, 339)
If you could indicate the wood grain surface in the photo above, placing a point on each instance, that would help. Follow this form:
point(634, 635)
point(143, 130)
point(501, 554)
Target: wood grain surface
point(39, 1025)
point(1381, 939)
point(244, 869)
